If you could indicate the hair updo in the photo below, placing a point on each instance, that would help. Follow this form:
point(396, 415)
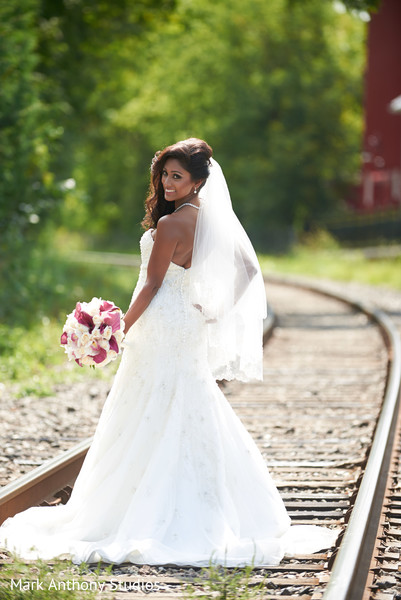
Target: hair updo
point(194, 156)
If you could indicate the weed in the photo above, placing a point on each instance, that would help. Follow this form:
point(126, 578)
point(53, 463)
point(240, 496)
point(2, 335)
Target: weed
point(225, 583)
point(41, 580)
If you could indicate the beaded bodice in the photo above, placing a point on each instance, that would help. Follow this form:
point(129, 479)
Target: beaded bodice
point(171, 306)
point(176, 279)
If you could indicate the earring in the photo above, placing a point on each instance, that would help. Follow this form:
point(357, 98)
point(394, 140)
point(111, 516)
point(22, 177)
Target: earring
point(195, 191)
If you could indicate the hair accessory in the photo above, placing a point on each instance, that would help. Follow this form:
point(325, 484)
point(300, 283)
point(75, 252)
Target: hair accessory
point(154, 159)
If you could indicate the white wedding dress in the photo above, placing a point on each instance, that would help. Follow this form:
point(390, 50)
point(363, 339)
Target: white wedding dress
point(172, 475)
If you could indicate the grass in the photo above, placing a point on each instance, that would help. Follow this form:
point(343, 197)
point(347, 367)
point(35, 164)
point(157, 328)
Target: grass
point(61, 579)
point(319, 256)
point(223, 583)
point(40, 580)
point(31, 359)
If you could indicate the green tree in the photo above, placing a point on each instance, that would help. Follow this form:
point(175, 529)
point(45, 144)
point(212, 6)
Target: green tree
point(23, 128)
point(86, 49)
point(27, 137)
point(61, 69)
point(275, 92)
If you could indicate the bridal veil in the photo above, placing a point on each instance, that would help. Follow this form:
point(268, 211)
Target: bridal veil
point(227, 285)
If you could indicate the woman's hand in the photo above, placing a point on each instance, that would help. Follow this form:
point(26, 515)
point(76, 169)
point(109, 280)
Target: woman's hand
point(126, 327)
point(199, 307)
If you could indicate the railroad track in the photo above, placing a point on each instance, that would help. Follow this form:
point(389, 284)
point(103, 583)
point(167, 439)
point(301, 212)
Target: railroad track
point(318, 420)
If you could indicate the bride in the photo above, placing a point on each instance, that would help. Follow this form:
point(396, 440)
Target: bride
point(172, 475)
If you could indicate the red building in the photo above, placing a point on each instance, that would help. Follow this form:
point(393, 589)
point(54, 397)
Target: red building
point(381, 172)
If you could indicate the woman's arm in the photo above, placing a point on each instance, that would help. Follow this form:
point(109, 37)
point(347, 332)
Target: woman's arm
point(160, 258)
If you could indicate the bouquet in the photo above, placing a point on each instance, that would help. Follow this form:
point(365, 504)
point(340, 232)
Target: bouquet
point(93, 333)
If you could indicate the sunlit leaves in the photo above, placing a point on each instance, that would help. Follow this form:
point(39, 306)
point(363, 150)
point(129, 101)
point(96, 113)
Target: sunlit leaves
point(276, 92)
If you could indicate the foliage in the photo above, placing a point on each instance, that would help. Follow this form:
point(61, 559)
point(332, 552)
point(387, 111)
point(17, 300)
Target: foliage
point(90, 89)
point(25, 132)
point(278, 98)
point(60, 71)
point(86, 48)
point(52, 286)
point(225, 583)
point(30, 356)
point(27, 137)
point(320, 256)
point(275, 92)
point(42, 580)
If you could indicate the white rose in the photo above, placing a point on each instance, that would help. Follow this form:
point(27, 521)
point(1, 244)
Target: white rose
point(71, 321)
point(92, 310)
point(107, 332)
point(81, 327)
point(96, 335)
point(94, 303)
point(80, 352)
point(104, 344)
point(87, 360)
point(85, 339)
point(67, 327)
point(119, 336)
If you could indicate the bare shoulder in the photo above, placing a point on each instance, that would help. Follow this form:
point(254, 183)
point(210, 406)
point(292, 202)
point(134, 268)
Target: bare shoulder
point(170, 227)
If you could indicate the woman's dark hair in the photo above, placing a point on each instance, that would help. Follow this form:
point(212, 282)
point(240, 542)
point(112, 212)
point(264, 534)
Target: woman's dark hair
point(194, 155)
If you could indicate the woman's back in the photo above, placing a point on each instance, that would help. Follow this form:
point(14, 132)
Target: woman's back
point(182, 224)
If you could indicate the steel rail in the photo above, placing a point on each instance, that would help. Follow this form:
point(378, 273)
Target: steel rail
point(350, 569)
point(41, 483)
